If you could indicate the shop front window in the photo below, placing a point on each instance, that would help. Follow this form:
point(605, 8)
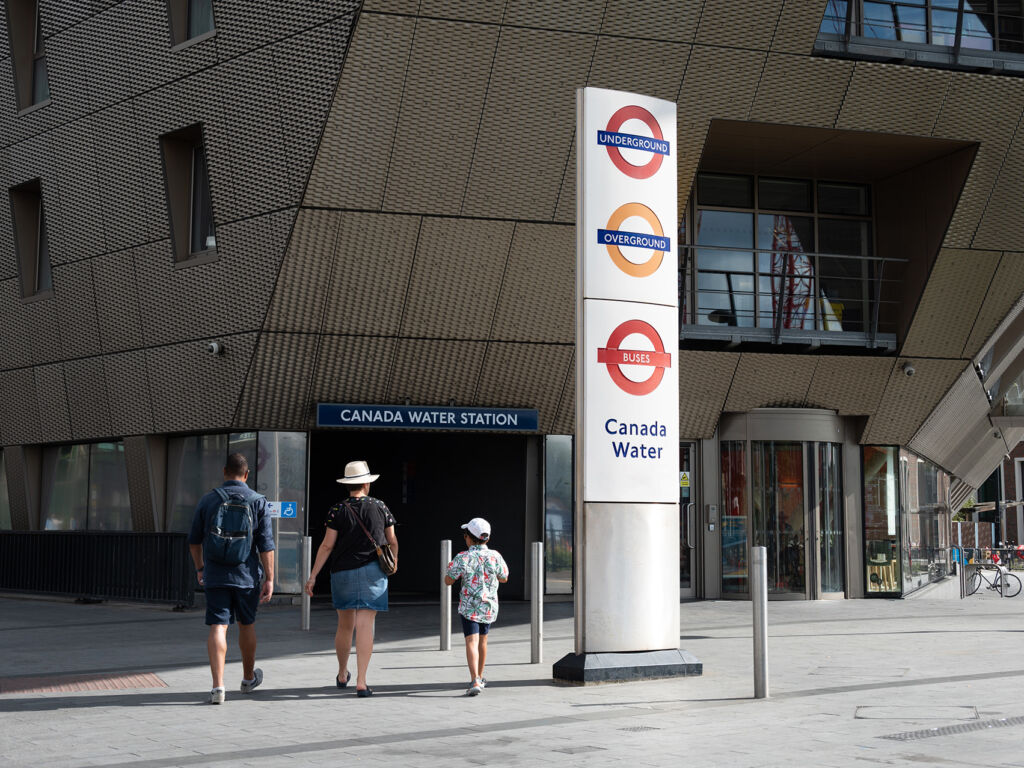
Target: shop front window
point(881, 519)
point(85, 487)
point(110, 508)
point(734, 517)
point(926, 524)
point(195, 464)
point(558, 514)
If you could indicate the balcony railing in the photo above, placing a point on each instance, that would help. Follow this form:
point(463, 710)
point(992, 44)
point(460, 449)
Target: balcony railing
point(789, 297)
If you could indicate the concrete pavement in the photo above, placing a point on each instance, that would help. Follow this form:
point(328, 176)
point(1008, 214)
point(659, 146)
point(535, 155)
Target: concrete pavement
point(911, 682)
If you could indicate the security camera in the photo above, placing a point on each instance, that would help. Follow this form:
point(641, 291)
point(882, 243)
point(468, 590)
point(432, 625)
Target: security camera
point(215, 348)
point(908, 369)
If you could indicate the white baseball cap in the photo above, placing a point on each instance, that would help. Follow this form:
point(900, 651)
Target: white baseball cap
point(479, 528)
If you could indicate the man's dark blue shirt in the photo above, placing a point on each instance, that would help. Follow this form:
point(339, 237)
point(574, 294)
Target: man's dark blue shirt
point(250, 573)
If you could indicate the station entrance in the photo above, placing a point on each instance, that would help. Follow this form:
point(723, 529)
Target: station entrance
point(433, 483)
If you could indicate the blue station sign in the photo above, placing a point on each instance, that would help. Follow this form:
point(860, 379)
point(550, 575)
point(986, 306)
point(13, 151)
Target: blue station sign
point(426, 417)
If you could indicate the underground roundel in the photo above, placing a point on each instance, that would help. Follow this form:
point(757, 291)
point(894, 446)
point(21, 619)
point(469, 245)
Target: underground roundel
point(614, 141)
point(614, 357)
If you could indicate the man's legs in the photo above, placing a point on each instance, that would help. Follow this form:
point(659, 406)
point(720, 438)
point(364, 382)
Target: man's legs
point(217, 647)
point(343, 640)
point(364, 644)
point(247, 645)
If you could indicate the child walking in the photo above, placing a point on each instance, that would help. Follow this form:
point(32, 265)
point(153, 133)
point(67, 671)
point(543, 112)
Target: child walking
point(480, 569)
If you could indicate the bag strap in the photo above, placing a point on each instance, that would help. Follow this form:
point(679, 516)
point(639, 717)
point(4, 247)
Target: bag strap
point(352, 512)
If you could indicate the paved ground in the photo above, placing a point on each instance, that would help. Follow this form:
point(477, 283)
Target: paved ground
point(915, 682)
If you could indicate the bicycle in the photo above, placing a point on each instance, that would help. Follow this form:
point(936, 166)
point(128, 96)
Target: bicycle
point(1004, 582)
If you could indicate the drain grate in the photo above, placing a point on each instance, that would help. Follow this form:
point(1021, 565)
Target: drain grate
point(950, 730)
point(639, 728)
point(74, 683)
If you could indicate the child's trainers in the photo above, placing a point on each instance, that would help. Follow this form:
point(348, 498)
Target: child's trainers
point(257, 678)
point(475, 688)
point(217, 696)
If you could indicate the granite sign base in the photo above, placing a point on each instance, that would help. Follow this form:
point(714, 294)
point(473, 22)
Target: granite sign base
point(590, 668)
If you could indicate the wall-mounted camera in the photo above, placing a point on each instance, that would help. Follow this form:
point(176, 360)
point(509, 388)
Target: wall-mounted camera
point(215, 348)
point(908, 369)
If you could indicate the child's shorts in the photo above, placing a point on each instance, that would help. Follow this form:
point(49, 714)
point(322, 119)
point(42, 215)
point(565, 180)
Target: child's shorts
point(474, 627)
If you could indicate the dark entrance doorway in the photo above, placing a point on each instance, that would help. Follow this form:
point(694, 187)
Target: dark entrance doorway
point(432, 483)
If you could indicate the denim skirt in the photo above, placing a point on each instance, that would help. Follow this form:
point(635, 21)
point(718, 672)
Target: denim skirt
point(363, 587)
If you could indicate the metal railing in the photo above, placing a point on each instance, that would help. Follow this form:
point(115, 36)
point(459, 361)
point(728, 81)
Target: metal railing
point(143, 567)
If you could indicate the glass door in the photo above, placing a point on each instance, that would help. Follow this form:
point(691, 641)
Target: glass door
point(688, 528)
point(778, 514)
point(827, 519)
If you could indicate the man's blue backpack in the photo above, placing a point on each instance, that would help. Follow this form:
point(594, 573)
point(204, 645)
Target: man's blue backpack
point(228, 540)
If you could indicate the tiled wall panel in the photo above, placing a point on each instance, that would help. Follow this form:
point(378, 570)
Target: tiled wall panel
point(1003, 292)
point(350, 171)
point(431, 372)
point(76, 308)
point(1001, 225)
point(952, 300)
point(766, 381)
point(527, 126)
point(798, 26)
point(538, 292)
point(746, 23)
point(431, 159)
point(487, 11)
point(907, 400)
point(569, 15)
point(352, 369)
point(87, 398)
point(117, 301)
point(193, 390)
point(278, 382)
point(136, 461)
point(451, 255)
point(893, 99)
point(849, 385)
point(704, 380)
point(674, 20)
point(52, 402)
point(129, 392)
point(524, 376)
point(801, 90)
point(564, 422)
point(370, 279)
point(304, 278)
point(1001, 100)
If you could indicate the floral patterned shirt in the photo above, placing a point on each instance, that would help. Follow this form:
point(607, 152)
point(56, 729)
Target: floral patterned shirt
point(480, 569)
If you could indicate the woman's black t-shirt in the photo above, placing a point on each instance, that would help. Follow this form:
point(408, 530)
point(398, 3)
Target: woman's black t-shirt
point(353, 549)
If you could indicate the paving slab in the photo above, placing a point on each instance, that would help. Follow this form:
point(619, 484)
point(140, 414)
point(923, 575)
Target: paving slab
point(893, 682)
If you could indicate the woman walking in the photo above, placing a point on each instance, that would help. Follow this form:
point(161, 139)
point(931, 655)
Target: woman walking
point(359, 587)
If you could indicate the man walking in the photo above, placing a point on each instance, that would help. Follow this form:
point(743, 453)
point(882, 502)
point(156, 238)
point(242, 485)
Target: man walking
point(231, 538)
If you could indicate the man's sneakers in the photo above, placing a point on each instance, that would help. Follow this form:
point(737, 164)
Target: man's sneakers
point(476, 687)
point(248, 686)
point(217, 695)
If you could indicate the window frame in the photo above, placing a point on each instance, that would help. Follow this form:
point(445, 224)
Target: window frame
point(178, 152)
point(27, 51)
point(31, 242)
point(180, 19)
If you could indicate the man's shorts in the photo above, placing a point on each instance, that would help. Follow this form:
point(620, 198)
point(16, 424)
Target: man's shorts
point(474, 627)
point(225, 604)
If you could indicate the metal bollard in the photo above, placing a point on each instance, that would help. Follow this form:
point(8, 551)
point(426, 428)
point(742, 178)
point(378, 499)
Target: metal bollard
point(759, 597)
point(537, 603)
point(446, 597)
point(305, 568)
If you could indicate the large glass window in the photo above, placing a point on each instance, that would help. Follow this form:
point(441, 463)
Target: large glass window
point(782, 254)
point(5, 506)
point(982, 25)
point(110, 508)
point(734, 517)
point(558, 514)
point(280, 471)
point(85, 487)
point(195, 464)
point(926, 524)
point(881, 518)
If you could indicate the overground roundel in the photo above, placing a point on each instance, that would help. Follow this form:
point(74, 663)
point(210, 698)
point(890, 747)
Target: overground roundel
point(613, 357)
point(658, 147)
point(613, 237)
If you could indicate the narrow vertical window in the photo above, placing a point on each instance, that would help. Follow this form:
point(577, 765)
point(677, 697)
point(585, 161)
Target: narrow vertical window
point(30, 239)
point(188, 193)
point(190, 19)
point(32, 84)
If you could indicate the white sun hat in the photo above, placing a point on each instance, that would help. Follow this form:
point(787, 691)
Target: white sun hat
point(357, 473)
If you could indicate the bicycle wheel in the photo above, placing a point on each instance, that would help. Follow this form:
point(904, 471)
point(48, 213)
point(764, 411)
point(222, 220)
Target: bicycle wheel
point(1010, 585)
point(974, 582)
